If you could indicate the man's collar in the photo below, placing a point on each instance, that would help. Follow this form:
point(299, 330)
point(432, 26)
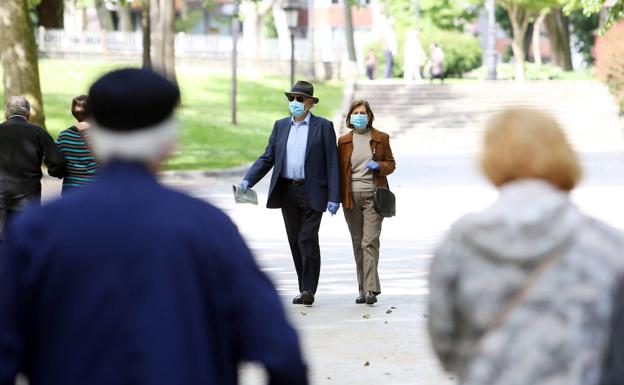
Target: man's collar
point(17, 116)
point(306, 120)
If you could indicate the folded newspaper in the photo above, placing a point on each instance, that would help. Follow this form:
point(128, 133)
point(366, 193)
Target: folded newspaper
point(249, 196)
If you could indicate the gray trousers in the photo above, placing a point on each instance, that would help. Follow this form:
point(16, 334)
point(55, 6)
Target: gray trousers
point(365, 227)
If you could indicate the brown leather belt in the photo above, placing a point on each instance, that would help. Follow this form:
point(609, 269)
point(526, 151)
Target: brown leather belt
point(295, 182)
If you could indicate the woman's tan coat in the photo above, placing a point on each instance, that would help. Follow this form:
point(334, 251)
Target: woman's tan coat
point(380, 146)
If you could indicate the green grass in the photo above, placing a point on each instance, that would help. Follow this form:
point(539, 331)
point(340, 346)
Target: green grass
point(207, 138)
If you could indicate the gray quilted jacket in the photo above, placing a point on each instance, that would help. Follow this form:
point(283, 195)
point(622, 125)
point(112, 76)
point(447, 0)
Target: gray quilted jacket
point(558, 334)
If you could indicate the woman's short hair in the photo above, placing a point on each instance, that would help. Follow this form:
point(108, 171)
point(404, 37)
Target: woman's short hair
point(79, 107)
point(369, 112)
point(527, 143)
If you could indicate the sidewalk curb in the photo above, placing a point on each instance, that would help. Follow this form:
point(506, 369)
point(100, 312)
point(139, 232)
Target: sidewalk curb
point(207, 173)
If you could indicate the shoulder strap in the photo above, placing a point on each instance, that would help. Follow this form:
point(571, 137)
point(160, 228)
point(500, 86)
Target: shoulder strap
point(522, 292)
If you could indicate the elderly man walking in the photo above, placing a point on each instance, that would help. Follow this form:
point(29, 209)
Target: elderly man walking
point(303, 154)
point(23, 147)
point(150, 286)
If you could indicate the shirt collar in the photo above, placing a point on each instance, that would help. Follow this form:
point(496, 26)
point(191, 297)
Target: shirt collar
point(306, 120)
point(17, 116)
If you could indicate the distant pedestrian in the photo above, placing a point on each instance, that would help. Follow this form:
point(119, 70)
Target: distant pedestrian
point(23, 148)
point(390, 46)
point(129, 282)
point(304, 184)
point(73, 144)
point(522, 292)
point(436, 62)
point(365, 161)
point(371, 65)
point(414, 57)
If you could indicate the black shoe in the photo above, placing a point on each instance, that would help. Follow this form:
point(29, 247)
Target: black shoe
point(298, 300)
point(360, 299)
point(370, 298)
point(307, 298)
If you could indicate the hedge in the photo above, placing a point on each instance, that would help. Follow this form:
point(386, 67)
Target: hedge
point(609, 53)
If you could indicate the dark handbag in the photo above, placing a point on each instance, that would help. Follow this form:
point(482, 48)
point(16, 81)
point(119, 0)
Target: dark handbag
point(384, 199)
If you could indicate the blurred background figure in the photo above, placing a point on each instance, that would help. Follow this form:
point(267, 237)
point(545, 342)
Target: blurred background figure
point(371, 64)
point(414, 57)
point(141, 291)
point(365, 161)
point(390, 47)
point(435, 67)
point(73, 144)
point(522, 292)
point(23, 147)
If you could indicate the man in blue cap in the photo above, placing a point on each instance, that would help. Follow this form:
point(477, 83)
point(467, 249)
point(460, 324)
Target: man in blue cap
point(129, 282)
point(305, 183)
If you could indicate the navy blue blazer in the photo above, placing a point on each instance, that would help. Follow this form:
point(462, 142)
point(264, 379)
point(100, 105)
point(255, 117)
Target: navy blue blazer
point(129, 282)
point(322, 170)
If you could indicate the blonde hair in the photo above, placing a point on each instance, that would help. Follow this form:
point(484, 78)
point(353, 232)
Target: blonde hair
point(524, 142)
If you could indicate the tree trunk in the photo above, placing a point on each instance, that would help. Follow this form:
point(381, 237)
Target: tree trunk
point(519, 22)
point(147, 32)
point(558, 27)
point(51, 13)
point(104, 16)
point(537, 37)
point(163, 24)
point(349, 30)
point(125, 17)
point(19, 56)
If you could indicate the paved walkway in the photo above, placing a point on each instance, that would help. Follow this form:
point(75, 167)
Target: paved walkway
point(387, 343)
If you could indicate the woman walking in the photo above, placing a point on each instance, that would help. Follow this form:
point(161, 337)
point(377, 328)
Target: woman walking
point(522, 292)
point(365, 161)
point(72, 143)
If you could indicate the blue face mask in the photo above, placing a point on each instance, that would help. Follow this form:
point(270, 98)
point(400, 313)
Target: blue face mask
point(359, 120)
point(296, 108)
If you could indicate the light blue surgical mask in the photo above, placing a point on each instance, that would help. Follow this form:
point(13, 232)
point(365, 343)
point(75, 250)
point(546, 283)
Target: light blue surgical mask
point(359, 120)
point(296, 108)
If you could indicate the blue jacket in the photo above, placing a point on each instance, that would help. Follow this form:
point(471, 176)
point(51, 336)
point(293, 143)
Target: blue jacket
point(322, 172)
point(129, 282)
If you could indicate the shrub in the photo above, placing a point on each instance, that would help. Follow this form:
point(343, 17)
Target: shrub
point(609, 53)
point(462, 52)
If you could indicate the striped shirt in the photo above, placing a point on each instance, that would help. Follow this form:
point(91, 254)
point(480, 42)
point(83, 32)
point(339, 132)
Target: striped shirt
point(81, 165)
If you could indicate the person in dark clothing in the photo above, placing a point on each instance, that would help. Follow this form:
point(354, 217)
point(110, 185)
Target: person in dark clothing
point(305, 182)
point(154, 287)
point(613, 373)
point(23, 147)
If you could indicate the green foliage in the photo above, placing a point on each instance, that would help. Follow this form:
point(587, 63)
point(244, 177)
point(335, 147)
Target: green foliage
point(269, 29)
point(207, 139)
point(442, 14)
point(584, 29)
point(590, 7)
point(186, 25)
point(462, 53)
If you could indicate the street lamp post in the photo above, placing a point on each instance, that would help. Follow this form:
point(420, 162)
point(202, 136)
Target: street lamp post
point(292, 20)
point(490, 44)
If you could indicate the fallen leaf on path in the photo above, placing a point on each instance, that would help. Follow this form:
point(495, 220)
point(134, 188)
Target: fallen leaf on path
point(367, 363)
point(366, 316)
point(426, 315)
point(386, 322)
point(392, 307)
point(388, 311)
point(302, 313)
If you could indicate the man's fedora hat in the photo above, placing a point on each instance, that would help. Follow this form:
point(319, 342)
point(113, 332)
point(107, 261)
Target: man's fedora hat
point(303, 88)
